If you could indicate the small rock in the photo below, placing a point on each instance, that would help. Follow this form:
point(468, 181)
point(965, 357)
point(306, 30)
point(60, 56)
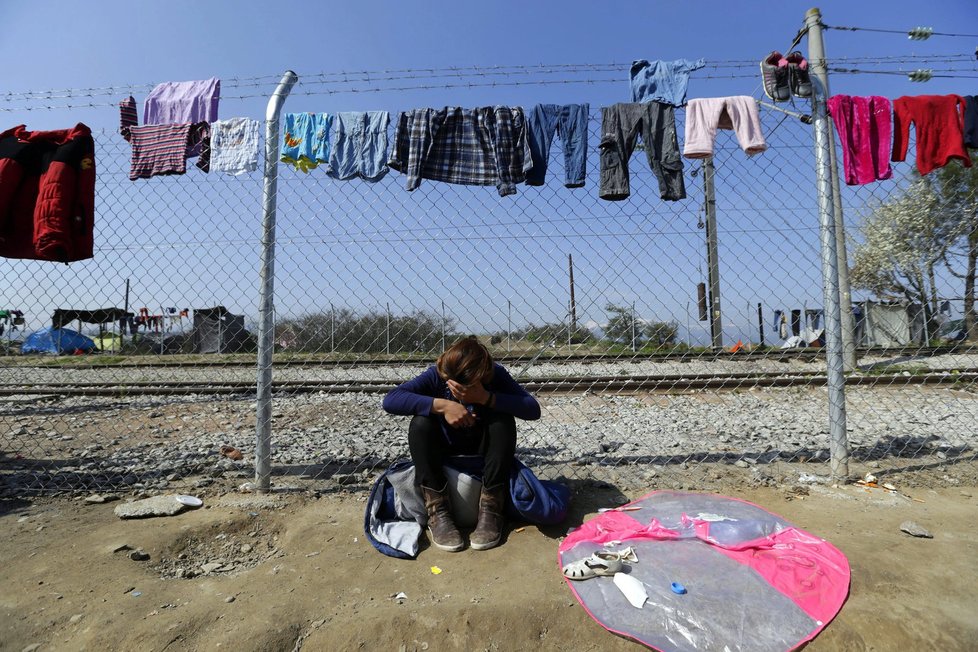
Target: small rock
point(98, 499)
point(210, 567)
point(246, 548)
point(741, 464)
point(74, 620)
point(32, 647)
point(915, 530)
point(119, 547)
point(165, 505)
point(139, 555)
point(229, 599)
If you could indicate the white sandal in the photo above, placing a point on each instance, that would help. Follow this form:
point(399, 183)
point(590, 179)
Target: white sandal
point(602, 563)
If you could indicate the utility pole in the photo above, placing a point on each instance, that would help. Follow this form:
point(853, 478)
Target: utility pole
point(819, 68)
point(125, 316)
point(760, 322)
point(634, 319)
point(509, 327)
point(573, 305)
point(712, 257)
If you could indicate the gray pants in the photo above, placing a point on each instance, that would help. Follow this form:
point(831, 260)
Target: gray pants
point(620, 128)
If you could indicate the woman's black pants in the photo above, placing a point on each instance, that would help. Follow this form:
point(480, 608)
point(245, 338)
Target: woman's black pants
point(494, 438)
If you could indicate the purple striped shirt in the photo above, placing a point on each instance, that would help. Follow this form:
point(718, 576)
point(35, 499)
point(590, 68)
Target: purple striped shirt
point(162, 149)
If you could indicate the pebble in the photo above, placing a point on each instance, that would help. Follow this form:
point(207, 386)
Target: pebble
point(32, 647)
point(139, 555)
point(74, 620)
point(210, 567)
point(229, 599)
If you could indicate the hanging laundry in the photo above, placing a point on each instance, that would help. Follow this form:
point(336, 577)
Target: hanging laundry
point(662, 81)
point(704, 116)
point(47, 193)
point(939, 120)
point(162, 149)
point(182, 102)
point(971, 121)
point(361, 145)
point(570, 123)
point(621, 125)
point(864, 126)
point(305, 140)
point(127, 114)
point(795, 322)
point(484, 146)
point(234, 146)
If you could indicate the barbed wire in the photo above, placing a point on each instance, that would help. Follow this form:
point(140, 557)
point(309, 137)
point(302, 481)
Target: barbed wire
point(419, 73)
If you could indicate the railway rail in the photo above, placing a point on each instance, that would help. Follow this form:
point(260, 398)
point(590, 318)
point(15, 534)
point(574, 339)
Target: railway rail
point(540, 385)
point(514, 360)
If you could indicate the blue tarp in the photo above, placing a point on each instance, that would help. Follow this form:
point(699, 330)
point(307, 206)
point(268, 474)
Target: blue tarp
point(57, 341)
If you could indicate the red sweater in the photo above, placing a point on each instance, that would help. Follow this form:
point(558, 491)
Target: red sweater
point(939, 120)
point(47, 193)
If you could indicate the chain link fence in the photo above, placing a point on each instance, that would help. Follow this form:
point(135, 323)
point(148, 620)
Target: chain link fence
point(604, 310)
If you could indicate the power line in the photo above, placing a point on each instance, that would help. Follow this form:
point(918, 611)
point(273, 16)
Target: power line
point(920, 32)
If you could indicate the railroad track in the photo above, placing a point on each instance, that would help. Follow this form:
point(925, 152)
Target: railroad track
point(539, 385)
point(514, 360)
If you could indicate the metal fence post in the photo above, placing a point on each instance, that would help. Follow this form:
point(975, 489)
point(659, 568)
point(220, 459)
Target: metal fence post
point(838, 439)
point(712, 255)
point(266, 324)
point(816, 57)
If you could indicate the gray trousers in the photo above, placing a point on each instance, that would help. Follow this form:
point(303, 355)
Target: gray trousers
point(621, 125)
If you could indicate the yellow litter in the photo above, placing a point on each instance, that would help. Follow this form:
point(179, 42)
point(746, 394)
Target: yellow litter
point(435, 570)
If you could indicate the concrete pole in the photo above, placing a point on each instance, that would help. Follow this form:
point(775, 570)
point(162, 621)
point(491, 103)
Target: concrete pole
point(266, 308)
point(838, 439)
point(712, 256)
point(819, 68)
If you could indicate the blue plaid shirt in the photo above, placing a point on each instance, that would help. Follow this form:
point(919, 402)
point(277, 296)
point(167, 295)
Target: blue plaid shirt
point(486, 146)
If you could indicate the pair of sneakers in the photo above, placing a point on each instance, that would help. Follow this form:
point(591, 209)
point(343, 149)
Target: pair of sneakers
point(785, 76)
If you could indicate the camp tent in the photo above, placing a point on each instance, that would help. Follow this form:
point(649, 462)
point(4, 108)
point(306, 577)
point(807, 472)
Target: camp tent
point(57, 341)
point(882, 324)
point(218, 331)
point(108, 342)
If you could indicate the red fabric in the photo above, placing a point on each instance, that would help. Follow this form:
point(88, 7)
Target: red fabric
point(939, 120)
point(47, 193)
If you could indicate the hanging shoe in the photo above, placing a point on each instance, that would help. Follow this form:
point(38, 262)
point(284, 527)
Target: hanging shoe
point(774, 74)
point(442, 531)
point(800, 81)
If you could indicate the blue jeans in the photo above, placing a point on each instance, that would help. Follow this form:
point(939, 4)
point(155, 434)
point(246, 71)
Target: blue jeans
point(570, 121)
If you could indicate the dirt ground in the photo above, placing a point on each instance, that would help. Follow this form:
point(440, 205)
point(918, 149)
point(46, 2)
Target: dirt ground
point(297, 573)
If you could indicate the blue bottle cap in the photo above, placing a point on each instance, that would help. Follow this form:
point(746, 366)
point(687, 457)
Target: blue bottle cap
point(678, 588)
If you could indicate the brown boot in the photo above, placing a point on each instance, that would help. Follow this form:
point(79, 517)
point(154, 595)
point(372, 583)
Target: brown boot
point(441, 528)
point(489, 531)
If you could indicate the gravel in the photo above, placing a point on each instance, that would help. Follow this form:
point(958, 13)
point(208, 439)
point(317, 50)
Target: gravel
point(151, 443)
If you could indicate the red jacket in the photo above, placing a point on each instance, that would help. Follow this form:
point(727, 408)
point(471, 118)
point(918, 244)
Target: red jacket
point(47, 193)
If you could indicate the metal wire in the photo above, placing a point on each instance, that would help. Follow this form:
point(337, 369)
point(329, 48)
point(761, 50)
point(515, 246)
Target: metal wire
point(372, 281)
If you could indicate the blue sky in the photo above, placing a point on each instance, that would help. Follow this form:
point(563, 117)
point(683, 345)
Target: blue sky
point(367, 246)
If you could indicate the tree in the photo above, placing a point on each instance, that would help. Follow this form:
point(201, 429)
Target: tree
point(905, 239)
point(957, 189)
point(622, 325)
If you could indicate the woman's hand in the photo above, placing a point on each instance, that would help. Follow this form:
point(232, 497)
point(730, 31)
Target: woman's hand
point(472, 394)
point(455, 414)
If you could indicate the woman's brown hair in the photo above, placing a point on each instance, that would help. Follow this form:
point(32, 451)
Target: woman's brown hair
point(466, 361)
